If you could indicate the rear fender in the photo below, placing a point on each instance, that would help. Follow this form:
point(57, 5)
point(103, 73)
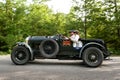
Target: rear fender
point(28, 47)
point(91, 44)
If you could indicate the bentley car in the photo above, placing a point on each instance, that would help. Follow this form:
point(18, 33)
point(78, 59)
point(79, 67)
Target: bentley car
point(92, 52)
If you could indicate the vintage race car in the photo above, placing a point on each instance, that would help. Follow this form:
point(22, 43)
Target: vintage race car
point(92, 52)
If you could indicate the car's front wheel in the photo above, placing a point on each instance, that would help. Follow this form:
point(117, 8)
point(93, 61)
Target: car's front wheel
point(20, 55)
point(93, 57)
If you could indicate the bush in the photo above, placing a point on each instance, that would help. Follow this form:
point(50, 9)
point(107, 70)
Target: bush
point(3, 53)
point(114, 51)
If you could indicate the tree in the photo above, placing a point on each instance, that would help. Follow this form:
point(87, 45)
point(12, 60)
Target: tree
point(101, 19)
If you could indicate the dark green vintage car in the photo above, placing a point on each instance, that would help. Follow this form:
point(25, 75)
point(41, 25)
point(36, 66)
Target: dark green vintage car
point(92, 52)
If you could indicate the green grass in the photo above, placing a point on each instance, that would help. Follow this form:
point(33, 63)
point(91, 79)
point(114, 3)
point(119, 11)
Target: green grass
point(4, 53)
point(115, 52)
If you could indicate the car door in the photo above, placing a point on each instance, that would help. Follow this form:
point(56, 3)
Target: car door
point(66, 45)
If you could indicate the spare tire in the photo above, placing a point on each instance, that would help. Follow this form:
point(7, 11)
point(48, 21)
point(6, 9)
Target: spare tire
point(49, 48)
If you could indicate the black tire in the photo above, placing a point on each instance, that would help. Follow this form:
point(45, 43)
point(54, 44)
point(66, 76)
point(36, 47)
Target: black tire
point(20, 55)
point(49, 48)
point(93, 57)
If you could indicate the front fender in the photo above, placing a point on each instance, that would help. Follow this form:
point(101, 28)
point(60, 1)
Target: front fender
point(27, 46)
point(91, 44)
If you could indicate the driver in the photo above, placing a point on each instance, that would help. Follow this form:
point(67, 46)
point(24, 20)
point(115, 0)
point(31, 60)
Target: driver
point(74, 37)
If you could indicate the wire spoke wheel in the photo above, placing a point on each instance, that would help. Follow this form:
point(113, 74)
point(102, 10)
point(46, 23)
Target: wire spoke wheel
point(20, 55)
point(49, 48)
point(93, 57)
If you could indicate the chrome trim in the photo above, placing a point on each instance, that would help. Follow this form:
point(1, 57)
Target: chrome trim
point(27, 39)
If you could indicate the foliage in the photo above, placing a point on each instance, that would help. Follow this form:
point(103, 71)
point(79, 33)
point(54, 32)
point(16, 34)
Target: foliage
point(93, 18)
point(101, 20)
point(3, 53)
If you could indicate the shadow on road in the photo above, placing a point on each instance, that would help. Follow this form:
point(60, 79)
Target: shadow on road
point(64, 63)
point(79, 63)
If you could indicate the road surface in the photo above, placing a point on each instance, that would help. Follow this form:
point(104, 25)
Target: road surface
point(59, 70)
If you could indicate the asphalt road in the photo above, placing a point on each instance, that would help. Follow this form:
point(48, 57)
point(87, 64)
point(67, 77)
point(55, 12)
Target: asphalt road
point(59, 70)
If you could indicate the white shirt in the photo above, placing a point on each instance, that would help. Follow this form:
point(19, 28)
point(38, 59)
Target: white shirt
point(75, 39)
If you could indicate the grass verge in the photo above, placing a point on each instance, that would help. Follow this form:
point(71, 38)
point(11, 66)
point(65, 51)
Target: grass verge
point(4, 53)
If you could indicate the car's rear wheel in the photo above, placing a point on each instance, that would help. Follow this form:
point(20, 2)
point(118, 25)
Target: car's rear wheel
point(49, 48)
point(93, 57)
point(20, 55)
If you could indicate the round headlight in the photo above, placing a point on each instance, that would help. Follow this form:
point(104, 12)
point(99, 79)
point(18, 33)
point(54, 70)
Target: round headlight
point(27, 39)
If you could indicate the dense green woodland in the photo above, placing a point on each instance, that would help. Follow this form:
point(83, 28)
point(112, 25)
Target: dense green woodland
point(93, 18)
